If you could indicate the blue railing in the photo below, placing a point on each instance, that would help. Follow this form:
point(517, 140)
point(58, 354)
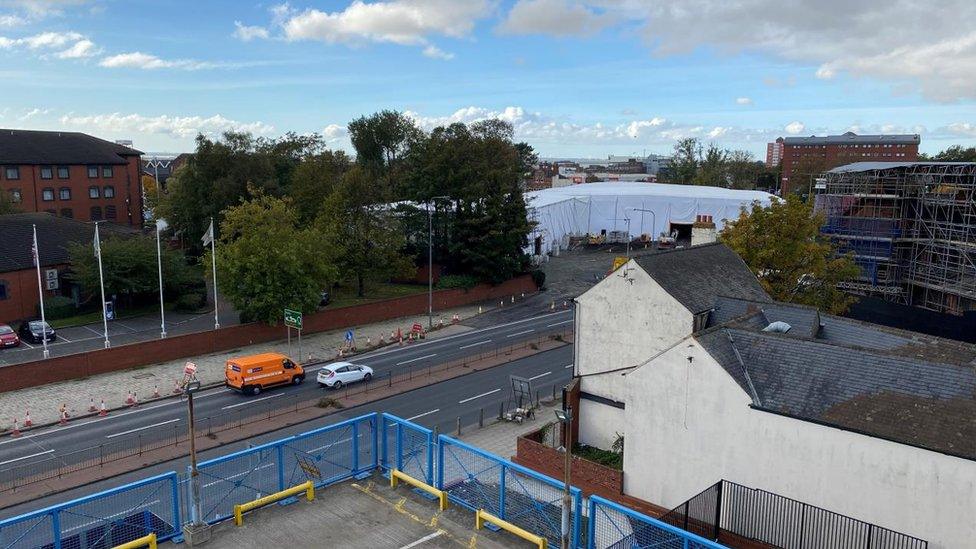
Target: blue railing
point(407, 447)
point(613, 526)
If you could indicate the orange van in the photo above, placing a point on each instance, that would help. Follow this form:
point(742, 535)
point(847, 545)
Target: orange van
point(255, 373)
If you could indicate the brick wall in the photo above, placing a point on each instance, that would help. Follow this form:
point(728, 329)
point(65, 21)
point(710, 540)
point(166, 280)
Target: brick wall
point(40, 372)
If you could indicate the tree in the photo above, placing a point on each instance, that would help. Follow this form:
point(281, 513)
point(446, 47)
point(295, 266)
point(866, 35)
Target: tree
point(267, 260)
point(7, 204)
point(684, 161)
point(712, 168)
point(955, 153)
point(382, 138)
point(363, 231)
point(781, 243)
point(805, 171)
point(743, 170)
point(314, 180)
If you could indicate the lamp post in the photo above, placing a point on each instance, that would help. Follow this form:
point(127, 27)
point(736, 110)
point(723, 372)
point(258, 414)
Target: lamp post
point(565, 417)
point(197, 530)
point(430, 261)
point(653, 219)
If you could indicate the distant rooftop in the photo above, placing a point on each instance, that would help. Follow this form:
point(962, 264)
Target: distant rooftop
point(872, 166)
point(54, 236)
point(33, 147)
point(853, 138)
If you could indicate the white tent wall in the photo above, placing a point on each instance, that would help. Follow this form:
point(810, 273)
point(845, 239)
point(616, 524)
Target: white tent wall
point(593, 207)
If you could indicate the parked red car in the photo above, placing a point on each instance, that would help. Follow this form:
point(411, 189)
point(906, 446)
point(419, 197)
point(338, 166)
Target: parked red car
point(8, 337)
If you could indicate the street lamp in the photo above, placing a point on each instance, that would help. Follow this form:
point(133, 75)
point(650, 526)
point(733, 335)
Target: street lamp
point(565, 417)
point(653, 219)
point(197, 530)
point(430, 261)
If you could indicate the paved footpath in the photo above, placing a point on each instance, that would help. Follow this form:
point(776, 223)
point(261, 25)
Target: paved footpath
point(44, 402)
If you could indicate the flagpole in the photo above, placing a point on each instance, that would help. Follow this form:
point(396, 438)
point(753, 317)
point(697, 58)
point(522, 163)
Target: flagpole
point(159, 264)
point(40, 293)
point(213, 258)
point(101, 283)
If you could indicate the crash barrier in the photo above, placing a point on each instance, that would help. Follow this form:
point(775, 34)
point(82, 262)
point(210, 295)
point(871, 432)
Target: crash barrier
point(106, 519)
point(145, 541)
point(323, 456)
point(308, 487)
point(397, 476)
point(481, 517)
point(518, 495)
point(613, 526)
point(406, 447)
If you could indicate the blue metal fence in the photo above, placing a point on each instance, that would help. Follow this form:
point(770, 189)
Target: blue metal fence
point(477, 479)
point(407, 447)
point(101, 520)
point(613, 526)
point(325, 456)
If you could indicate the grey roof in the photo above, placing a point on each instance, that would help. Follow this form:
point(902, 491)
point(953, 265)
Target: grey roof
point(804, 321)
point(47, 147)
point(54, 234)
point(696, 276)
point(851, 137)
point(873, 166)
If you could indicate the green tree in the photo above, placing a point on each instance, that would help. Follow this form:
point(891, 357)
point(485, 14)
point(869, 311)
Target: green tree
point(382, 138)
point(7, 204)
point(955, 153)
point(267, 260)
point(783, 246)
point(684, 161)
point(314, 180)
point(805, 172)
point(712, 168)
point(363, 231)
point(743, 171)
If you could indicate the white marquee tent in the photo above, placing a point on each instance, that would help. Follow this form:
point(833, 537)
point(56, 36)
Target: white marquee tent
point(651, 208)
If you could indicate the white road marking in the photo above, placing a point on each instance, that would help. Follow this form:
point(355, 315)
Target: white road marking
point(415, 359)
point(475, 344)
point(93, 331)
point(29, 346)
point(568, 366)
point(523, 332)
point(25, 457)
point(478, 396)
point(252, 401)
point(265, 466)
point(113, 435)
point(423, 539)
point(558, 323)
point(66, 340)
point(126, 326)
point(435, 410)
point(533, 378)
point(101, 519)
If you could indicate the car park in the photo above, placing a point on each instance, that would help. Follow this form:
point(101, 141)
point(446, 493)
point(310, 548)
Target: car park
point(337, 374)
point(36, 330)
point(8, 337)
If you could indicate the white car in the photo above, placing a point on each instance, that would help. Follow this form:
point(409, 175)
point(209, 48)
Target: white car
point(337, 374)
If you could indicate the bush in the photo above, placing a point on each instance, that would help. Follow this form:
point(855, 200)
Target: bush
point(539, 277)
point(457, 281)
point(597, 455)
point(327, 402)
point(191, 302)
point(58, 307)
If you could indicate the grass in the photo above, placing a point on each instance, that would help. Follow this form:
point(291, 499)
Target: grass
point(96, 316)
point(596, 455)
point(345, 295)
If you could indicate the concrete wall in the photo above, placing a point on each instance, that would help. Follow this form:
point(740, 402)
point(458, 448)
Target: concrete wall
point(692, 426)
point(622, 321)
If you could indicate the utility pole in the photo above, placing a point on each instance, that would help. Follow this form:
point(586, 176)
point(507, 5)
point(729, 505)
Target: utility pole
point(197, 531)
point(565, 417)
point(430, 261)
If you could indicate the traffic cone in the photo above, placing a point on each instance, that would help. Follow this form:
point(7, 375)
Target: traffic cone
point(382, 339)
point(130, 398)
point(552, 306)
point(155, 391)
point(16, 431)
point(440, 322)
point(176, 387)
point(565, 304)
point(64, 417)
point(369, 342)
point(103, 411)
point(513, 299)
point(91, 405)
point(135, 399)
point(392, 336)
point(340, 352)
point(479, 309)
point(27, 419)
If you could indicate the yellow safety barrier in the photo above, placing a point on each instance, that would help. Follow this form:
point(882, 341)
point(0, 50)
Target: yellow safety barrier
point(482, 516)
point(441, 495)
point(144, 541)
point(239, 510)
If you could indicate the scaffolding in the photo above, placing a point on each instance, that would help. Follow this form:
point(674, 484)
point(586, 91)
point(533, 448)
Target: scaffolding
point(911, 227)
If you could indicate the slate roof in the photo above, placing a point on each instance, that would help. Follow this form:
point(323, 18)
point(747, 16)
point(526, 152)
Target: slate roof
point(44, 147)
point(872, 166)
point(54, 234)
point(696, 276)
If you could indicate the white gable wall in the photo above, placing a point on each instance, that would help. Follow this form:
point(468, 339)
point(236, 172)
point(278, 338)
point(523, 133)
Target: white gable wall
point(689, 425)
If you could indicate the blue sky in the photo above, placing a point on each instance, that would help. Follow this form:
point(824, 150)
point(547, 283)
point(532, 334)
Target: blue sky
point(576, 78)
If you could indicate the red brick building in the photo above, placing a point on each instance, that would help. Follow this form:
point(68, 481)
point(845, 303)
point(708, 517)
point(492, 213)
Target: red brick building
point(806, 157)
point(72, 175)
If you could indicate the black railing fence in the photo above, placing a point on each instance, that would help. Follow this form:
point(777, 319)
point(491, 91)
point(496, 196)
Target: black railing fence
point(779, 521)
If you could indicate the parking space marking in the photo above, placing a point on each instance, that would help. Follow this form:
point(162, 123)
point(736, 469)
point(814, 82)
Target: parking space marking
point(93, 331)
point(29, 346)
point(66, 340)
point(424, 539)
point(478, 396)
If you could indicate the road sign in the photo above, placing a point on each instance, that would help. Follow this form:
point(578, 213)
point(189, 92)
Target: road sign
point(418, 327)
point(348, 335)
point(293, 319)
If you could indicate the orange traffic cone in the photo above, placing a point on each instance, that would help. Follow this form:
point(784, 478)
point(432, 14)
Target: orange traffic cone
point(135, 399)
point(382, 340)
point(369, 342)
point(176, 387)
point(155, 391)
point(103, 411)
point(130, 398)
point(91, 405)
point(63, 420)
point(16, 431)
point(27, 419)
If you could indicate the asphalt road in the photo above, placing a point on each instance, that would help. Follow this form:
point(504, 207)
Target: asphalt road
point(45, 449)
point(437, 405)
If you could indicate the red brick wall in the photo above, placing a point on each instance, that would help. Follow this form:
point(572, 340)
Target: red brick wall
point(837, 155)
point(22, 296)
point(31, 374)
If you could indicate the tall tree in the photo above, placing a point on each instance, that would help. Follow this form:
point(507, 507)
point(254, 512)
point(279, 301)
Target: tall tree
point(742, 169)
point(684, 161)
point(712, 168)
point(268, 260)
point(314, 181)
point(783, 246)
point(955, 153)
point(7, 204)
point(382, 138)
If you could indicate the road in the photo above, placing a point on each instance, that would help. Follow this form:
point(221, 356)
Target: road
point(45, 449)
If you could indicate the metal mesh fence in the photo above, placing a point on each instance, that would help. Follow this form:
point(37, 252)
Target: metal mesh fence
point(105, 519)
point(612, 526)
point(407, 447)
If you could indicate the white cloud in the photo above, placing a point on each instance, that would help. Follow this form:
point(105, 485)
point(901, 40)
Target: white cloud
point(175, 126)
point(32, 113)
point(743, 101)
point(334, 132)
point(403, 22)
point(9, 20)
point(145, 61)
point(81, 49)
point(42, 41)
point(437, 53)
point(964, 129)
point(793, 128)
point(554, 17)
point(248, 33)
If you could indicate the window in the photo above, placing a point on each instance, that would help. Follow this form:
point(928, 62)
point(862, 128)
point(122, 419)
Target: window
point(108, 191)
point(47, 172)
point(96, 213)
point(64, 172)
point(3, 290)
point(12, 172)
point(66, 212)
point(47, 195)
point(64, 193)
point(106, 171)
point(93, 192)
point(93, 172)
point(15, 195)
point(109, 212)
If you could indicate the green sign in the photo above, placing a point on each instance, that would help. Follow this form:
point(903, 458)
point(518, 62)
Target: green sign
point(293, 319)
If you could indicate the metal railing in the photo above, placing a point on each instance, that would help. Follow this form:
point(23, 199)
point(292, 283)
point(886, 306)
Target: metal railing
point(165, 436)
point(613, 526)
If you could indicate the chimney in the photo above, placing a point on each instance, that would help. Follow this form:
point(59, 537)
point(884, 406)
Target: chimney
point(703, 230)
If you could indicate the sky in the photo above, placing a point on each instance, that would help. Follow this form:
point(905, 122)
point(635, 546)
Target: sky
point(576, 78)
